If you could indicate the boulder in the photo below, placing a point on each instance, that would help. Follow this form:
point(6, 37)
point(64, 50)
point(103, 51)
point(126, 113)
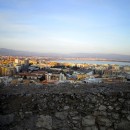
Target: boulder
point(88, 121)
point(6, 119)
point(44, 122)
point(102, 108)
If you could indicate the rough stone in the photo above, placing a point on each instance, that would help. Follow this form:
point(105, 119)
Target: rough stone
point(87, 128)
point(128, 95)
point(58, 124)
point(118, 108)
point(66, 107)
point(65, 113)
point(124, 112)
point(17, 128)
point(128, 117)
point(94, 100)
point(94, 128)
point(76, 118)
point(103, 113)
point(102, 128)
point(21, 115)
point(128, 102)
point(121, 100)
point(103, 121)
point(61, 115)
point(110, 107)
point(6, 119)
point(115, 115)
point(73, 113)
point(88, 121)
point(124, 125)
point(44, 122)
point(102, 108)
point(110, 129)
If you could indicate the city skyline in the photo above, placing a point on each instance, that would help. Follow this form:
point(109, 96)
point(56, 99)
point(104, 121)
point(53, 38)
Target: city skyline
point(66, 26)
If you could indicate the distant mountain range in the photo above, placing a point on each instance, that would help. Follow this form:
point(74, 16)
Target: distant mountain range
point(10, 52)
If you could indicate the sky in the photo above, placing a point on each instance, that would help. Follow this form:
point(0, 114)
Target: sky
point(66, 26)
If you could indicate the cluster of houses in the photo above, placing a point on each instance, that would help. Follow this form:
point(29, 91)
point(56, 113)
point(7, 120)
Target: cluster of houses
point(56, 76)
point(22, 70)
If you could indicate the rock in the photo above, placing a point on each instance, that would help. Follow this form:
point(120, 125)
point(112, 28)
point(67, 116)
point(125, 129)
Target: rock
point(6, 119)
point(128, 117)
point(94, 128)
point(128, 95)
point(110, 129)
point(102, 108)
point(102, 128)
point(96, 113)
point(73, 113)
point(103, 113)
point(124, 112)
point(116, 104)
point(103, 121)
point(87, 128)
point(76, 118)
point(124, 125)
point(115, 126)
point(75, 121)
point(115, 115)
point(110, 107)
point(91, 106)
point(21, 115)
point(94, 100)
point(112, 99)
point(61, 115)
point(57, 124)
point(108, 113)
point(118, 108)
point(88, 121)
point(121, 100)
point(28, 113)
point(17, 128)
point(66, 107)
point(128, 102)
point(44, 122)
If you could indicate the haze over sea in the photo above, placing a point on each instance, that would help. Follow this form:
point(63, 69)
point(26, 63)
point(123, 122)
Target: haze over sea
point(93, 62)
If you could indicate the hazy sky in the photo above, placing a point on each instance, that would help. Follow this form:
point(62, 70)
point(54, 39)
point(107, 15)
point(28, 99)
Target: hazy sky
point(66, 26)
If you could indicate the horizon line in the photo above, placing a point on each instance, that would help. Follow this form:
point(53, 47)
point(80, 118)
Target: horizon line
point(66, 53)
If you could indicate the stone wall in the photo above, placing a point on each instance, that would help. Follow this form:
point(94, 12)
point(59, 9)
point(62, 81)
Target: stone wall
point(87, 111)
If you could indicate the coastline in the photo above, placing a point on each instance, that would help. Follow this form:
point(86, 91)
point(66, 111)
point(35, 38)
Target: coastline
point(92, 61)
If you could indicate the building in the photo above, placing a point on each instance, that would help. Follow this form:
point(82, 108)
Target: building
point(16, 61)
point(8, 71)
point(128, 76)
point(55, 77)
point(62, 77)
point(48, 76)
point(18, 68)
point(0, 71)
point(126, 68)
point(26, 62)
point(79, 75)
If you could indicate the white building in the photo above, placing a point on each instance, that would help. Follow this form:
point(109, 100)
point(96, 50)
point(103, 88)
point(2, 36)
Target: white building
point(48, 76)
point(62, 77)
point(18, 68)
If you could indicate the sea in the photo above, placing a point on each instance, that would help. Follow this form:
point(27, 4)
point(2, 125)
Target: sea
point(94, 62)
